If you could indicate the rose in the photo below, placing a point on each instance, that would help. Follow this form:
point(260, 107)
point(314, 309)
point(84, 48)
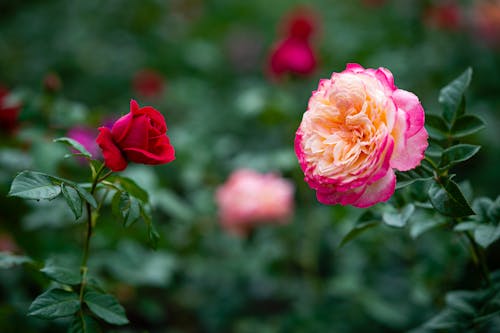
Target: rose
point(140, 137)
point(249, 198)
point(359, 127)
point(9, 112)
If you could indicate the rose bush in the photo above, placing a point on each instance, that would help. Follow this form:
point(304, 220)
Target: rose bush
point(249, 198)
point(140, 137)
point(359, 127)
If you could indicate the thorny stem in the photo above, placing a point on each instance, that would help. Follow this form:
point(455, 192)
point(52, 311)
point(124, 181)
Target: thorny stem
point(90, 222)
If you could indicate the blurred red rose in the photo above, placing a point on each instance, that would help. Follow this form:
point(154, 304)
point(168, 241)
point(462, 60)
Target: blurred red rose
point(140, 137)
point(9, 112)
point(486, 21)
point(446, 16)
point(52, 83)
point(148, 83)
point(294, 53)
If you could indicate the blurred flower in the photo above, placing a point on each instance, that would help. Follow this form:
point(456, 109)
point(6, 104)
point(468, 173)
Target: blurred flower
point(9, 112)
point(294, 54)
point(486, 21)
point(445, 16)
point(7, 243)
point(140, 137)
point(148, 83)
point(249, 198)
point(86, 137)
point(359, 127)
point(52, 83)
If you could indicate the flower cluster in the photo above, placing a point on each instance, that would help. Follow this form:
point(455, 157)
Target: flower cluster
point(359, 127)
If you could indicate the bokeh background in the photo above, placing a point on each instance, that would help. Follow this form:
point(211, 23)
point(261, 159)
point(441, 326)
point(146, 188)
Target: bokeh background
point(233, 92)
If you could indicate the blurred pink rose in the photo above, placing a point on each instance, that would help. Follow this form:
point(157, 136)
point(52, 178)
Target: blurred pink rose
point(294, 53)
point(249, 198)
point(86, 137)
point(359, 127)
point(446, 16)
point(486, 21)
point(148, 83)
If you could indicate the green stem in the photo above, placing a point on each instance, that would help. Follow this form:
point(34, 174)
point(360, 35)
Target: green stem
point(90, 225)
point(478, 258)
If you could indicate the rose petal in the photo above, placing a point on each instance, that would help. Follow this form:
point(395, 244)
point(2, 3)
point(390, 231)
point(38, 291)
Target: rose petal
point(113, 157)
point(379, 191)
point(163, 153)
point(138, 133)
point(410, 103)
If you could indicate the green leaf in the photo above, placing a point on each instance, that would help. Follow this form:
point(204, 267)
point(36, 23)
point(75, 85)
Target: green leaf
point(486, 234)
point(73, 200)
point(9, 260)
point(436, 127)
point(366, 221)
point(133, 189)
point(85, 194)
point(34, 185)
point(452, 95)
point(106, 307)
point(84, 324)
point(130, 209)
point(494, 211)
point(465, 226)
point(409, 177)
point(75, 145)
point(61, 274)
point(466, 125)
point(399, 219)
point(458, 153)
point(54, 303)
point(153, 235)
point(447, 198)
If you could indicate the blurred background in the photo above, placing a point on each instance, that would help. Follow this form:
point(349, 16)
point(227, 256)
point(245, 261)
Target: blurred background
point(232, 79)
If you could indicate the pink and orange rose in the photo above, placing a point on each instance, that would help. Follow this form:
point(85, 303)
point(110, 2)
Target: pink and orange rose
point(249, 198)
point(359, 128)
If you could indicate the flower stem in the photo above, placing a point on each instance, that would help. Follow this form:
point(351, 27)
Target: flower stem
point(90, 225)
point(478, 258)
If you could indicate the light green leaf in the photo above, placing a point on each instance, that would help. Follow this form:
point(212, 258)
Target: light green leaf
point(61, 274)
point(399, 219)
point(73, 200)
point(9, 260)
point(452, 95)
point(486, 234)
point(34, 185)
point(465, 226)
point(75, 145)
point(133, 189)
point(85, 194)
point(106, 307)
point(466, 125)
point(84, 324)
point(458, 153)
point(54, 303)
point(447, 199)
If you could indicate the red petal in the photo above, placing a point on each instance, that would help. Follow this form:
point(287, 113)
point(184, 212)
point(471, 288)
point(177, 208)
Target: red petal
point(113, 157)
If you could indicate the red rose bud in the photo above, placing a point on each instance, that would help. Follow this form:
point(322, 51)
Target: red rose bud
point(148, 83)
point(9, 112)
point(444, 16)
point(293, 56)
point(52, 83)
point(139, 137)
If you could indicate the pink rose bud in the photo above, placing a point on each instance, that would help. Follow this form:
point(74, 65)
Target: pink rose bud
point(139, 137)
point(357, 129)
point(249, 198)
point(9, 112)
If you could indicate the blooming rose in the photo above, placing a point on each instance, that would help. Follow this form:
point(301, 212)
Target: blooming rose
point(294, 53)
point(359, 127)
point(9, 112)
point(140, 137)
point(249, 198)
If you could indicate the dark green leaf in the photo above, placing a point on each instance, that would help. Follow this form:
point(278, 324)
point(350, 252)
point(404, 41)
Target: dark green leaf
point(133, 189)
point(85, 194)
point(75, 145)
point(494, 211)
point(130, 208)
point(73, 200)
point(366, 221)
point(409, 177)
point(451, 96)
point(446, 319)
point(466, 125)
point(106, 307)
point(84, 324)
point(34, 185)
point(61, 274)
point(153, 235)
point(458, 153)
point(486, 234)
point(54, 303)
point(447, 199)
point(398, 219)
point(436, 127)
point(8, 260)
